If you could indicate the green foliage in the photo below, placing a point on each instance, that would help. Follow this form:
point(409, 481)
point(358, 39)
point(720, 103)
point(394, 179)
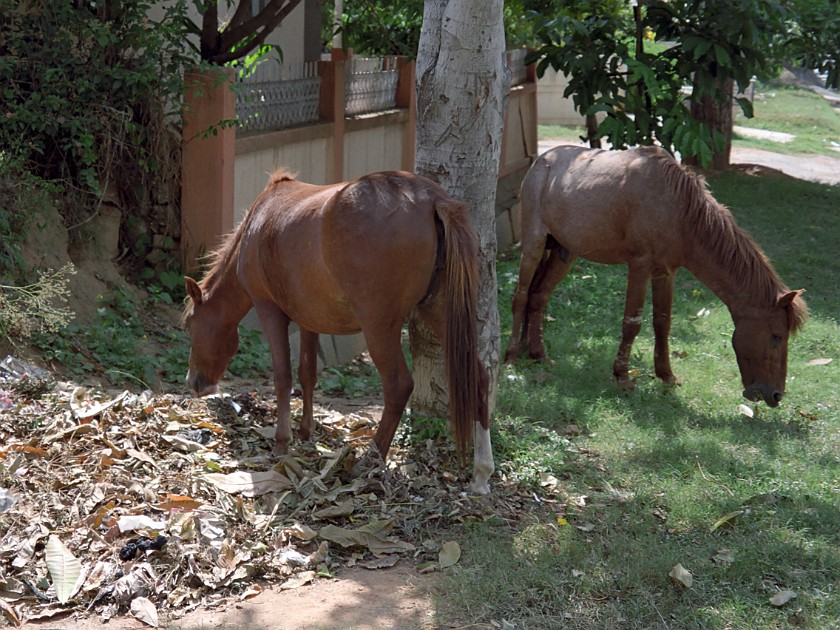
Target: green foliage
point(358, 378)
point(393, 28)
point(638, 88)
point(812, 38)
point(82, 83)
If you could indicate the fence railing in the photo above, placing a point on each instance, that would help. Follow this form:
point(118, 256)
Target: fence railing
point(277, 96)
point(370, 84)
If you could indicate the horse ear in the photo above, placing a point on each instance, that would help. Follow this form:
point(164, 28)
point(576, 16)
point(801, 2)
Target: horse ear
point(787, 299)
point(193, 290)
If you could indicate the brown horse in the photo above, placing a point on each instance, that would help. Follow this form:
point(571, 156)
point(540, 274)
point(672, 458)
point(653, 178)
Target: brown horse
point(339, 259)
point(641, 208)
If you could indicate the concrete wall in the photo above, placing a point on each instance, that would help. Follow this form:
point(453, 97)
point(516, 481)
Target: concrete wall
point(552, 107)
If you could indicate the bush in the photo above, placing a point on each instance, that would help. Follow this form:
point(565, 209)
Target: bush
point(84, 84)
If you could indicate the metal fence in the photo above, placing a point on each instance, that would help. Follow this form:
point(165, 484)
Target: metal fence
point(370, 85)
point(276, 96)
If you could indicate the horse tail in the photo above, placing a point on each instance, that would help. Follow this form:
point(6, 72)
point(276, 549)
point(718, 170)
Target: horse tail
point(467, 385)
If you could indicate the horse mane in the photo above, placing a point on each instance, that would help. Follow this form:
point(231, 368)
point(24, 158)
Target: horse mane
point(217, 260)
point(710, 222)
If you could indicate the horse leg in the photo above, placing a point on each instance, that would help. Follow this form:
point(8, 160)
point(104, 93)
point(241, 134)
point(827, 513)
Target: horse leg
point(550, 273)
point(307, 375)
point(662, 298)
point(386, 353)
point(433, 314)
point(275, 326)
point(630, 325)
point(531, 258)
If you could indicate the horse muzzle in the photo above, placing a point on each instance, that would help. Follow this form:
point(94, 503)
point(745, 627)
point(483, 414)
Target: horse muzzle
point(770, 395)
point(199, 385)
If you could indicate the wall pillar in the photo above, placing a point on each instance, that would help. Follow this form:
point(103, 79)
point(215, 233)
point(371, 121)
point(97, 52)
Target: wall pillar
point(207, 172)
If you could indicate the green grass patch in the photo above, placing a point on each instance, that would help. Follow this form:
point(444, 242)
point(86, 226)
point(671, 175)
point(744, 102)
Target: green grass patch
point(803, 113)
point(642, 477)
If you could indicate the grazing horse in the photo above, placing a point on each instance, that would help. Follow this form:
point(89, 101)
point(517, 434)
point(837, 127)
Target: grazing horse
point(641, 208)
point(339, 259)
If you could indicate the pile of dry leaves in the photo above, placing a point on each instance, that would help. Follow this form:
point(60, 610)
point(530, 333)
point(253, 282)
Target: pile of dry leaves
point(144, 504)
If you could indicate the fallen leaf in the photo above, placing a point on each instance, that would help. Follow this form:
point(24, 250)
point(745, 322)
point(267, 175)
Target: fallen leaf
point(250, 484)
point(586, 527)
point(726, 519)
point(178, 502)
point(427, 567)
point(449, 554)
point(301, 532)
point(746, 410)
point(781, 598)
point(681, 575)
point(724, 556)
point(342, 509)
point(144, 610)
point(358, 537)
point(821, 361)
point(381, 563)
point(11, 614)
point(65, 569)
point(301, 579)
point(131, 522)
point(249, 593)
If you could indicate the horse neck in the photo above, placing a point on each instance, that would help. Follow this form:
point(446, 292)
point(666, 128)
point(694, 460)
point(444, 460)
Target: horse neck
point(227, 293)
point(727, 261)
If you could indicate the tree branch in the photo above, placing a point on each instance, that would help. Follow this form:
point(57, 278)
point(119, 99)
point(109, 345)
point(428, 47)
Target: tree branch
point(260, 26)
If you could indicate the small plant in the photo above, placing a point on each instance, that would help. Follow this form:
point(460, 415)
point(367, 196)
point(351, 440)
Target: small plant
point(356, 379)
point(37, 307)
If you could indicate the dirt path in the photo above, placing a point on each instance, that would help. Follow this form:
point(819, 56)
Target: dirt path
point(357, 599)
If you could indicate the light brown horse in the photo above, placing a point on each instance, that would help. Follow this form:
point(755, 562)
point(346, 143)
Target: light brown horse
point(641, 208)
point(339, 259)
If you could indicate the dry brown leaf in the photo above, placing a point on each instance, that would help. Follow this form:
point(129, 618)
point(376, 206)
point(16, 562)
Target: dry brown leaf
point(344, 508)
point(381, 563)
point(820, 361)
point(781, 598)
point(357, 537)
point(301, 579)
point(449, 554)
point(11, 614)
point(144, 610)
point(250, 484)
point(681, 575)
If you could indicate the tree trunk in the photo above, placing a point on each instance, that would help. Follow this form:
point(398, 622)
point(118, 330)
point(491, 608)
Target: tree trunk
point(718, 116)
point(462, 86)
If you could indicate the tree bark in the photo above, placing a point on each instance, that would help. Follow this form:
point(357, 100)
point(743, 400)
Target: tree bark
point(718, 116)
point(462, 87)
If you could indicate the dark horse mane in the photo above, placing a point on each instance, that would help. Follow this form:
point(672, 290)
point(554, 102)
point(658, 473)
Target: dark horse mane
point(218, 259)
point(711, 223)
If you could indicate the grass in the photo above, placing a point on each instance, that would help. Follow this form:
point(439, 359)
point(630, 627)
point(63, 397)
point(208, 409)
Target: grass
point(803, 113)
point(644, 476)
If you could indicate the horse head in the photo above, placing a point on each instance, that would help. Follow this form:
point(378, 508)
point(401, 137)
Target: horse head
point(213, 341)
point(760, 341)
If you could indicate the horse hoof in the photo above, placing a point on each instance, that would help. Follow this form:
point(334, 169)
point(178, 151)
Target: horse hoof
point(280, 449)
point(481, 488)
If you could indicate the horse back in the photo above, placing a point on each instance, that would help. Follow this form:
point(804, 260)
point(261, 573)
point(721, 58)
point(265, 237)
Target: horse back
point(329, 256)
point(606, 206)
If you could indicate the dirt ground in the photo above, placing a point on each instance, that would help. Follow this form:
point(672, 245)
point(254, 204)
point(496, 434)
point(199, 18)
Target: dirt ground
point(357, 599)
